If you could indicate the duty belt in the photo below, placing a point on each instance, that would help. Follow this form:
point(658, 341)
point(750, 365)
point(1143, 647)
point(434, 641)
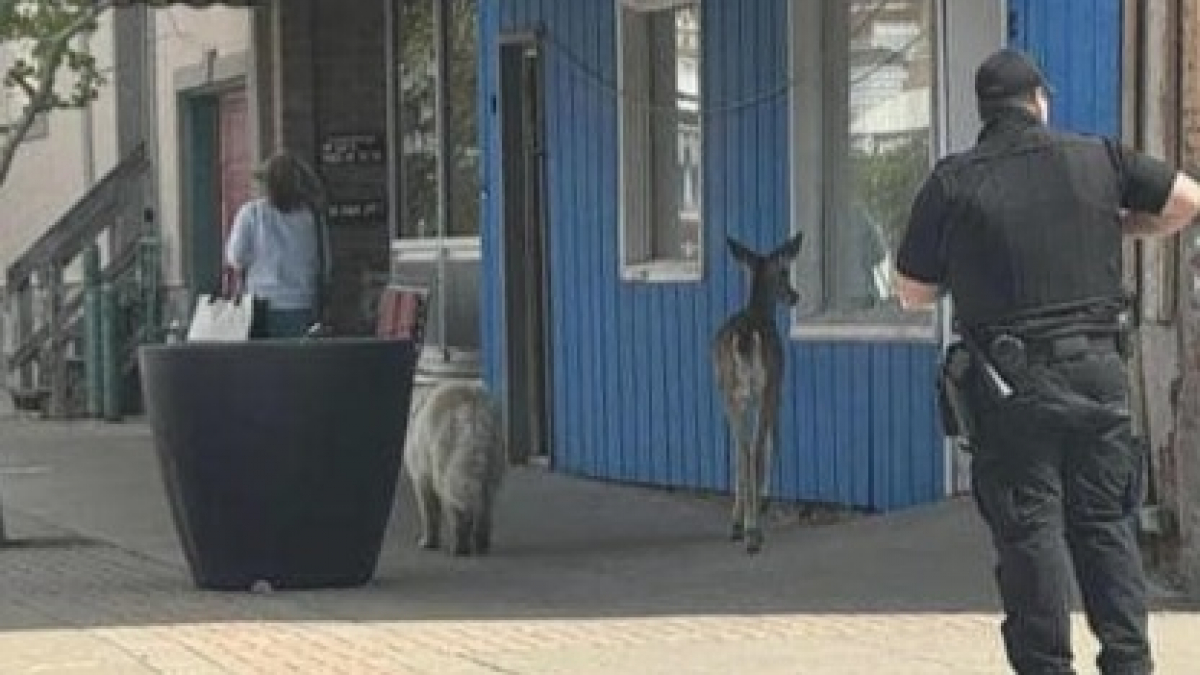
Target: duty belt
point(1009, 350)
point(1056, 333)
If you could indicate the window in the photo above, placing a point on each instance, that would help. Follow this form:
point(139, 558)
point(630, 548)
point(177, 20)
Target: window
point(438, 45)
point(863, 141)
point(659, 43)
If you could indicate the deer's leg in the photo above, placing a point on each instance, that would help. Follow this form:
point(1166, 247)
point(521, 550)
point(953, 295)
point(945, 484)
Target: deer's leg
point(745, 518)
point(737, 526)
point(752, 461)
point(765, 438)
point(737, 426)
point(768, 430)
point(762, 471)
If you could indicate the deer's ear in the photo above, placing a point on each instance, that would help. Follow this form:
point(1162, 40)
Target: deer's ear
point(740, 252)
point(790, 248)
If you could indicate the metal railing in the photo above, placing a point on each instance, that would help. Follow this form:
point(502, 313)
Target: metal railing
point(81, 299)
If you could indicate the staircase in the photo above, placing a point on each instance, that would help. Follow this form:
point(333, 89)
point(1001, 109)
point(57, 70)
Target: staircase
point(81, 299)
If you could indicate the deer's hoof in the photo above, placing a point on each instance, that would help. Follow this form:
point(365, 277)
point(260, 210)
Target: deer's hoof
point(754, 541)
point(736, 533)
point(428, 543)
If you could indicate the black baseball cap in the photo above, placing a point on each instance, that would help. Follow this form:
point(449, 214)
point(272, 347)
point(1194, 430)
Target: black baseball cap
point(1008, 73)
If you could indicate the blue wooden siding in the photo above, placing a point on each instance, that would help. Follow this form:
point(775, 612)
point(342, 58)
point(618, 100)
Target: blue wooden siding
point(633, 397)
point(1078, 43)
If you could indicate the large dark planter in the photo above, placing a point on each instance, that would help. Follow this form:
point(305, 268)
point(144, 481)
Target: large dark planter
point(280, 457)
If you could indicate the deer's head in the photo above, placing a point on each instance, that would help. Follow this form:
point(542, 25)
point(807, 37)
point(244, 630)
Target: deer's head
point(770, 277)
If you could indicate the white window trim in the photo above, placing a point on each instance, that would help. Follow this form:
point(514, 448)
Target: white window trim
point(650, 271)
point(808, 189)
point(865, 332)
point(662, 271)
point(652, 5)
point(426, 248)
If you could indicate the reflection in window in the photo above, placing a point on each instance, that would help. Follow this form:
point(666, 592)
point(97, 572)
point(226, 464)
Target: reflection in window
point(660, 126)
point(887, 132)
point(421, 26)
point(462, 134)
point(864, 116)
point(418, 119)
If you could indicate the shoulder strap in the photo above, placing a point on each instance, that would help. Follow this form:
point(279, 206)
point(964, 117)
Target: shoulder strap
point(323, 264)
point(322, 228)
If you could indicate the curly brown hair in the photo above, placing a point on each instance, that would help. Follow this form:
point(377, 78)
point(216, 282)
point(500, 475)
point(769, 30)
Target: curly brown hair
point(284, 183)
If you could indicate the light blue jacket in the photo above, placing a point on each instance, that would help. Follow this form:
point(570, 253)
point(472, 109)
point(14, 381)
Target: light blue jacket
point(279, 253)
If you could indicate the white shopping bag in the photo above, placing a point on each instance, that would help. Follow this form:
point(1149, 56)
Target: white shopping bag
point(218, 319)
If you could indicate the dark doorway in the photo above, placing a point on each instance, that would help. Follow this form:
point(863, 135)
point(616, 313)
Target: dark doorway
point(217, 168)
point(233, 109)
point(524, 238)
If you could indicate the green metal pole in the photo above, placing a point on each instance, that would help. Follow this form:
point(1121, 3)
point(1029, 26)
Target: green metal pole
point(110, 352)
point(93, 349)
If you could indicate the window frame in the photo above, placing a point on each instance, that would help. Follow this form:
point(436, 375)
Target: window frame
point(442, 85)
point(635, 233)
point(811, 200)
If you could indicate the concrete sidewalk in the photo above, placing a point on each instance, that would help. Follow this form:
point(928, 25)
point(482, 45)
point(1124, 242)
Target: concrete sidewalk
point(587, 578)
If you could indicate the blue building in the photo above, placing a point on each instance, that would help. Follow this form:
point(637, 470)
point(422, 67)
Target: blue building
point(623, 140)
point(571, 169)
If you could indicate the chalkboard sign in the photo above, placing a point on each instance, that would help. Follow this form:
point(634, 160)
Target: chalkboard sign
point(358, 211)
point(352, 149)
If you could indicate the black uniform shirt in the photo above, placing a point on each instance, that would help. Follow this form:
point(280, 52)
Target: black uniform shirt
point(1028, 218)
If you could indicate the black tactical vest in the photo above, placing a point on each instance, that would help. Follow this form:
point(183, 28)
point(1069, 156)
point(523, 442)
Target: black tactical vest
point(1034, 221)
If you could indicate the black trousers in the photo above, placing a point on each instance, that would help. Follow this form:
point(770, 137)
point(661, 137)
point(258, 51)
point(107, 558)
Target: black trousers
point(1061, 500)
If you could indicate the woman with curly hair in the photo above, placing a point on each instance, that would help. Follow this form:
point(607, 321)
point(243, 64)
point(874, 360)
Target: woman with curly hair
point(277, 249)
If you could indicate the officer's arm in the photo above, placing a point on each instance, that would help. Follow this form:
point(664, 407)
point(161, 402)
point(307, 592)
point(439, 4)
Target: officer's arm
point(920, 267)
point(915, 294)
point(1182, 206)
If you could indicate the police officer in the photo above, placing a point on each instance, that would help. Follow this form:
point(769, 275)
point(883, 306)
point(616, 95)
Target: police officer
point(1024, 232)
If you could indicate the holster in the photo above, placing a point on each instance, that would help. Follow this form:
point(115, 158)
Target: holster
point(1011, 365)
point(1041, 392)
point(958, 413)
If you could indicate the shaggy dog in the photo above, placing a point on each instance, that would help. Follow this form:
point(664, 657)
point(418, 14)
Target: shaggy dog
point(455, 458)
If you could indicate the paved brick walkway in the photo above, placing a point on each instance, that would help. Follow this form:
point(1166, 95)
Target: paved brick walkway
point(587, 579)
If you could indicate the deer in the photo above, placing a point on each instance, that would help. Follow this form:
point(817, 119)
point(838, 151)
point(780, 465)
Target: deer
point(747, 354)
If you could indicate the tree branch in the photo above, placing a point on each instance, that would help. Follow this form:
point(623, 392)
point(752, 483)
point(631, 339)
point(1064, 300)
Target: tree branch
point(24, 84)
point(48, 67)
